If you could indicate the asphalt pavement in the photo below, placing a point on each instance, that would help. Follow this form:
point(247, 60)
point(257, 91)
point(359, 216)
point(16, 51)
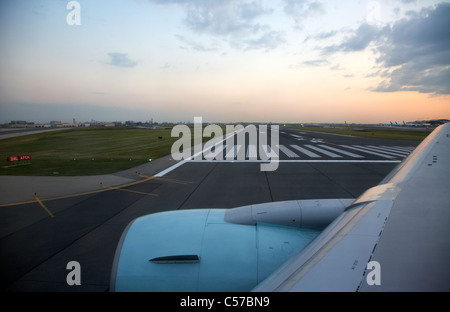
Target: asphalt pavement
point(81, 219)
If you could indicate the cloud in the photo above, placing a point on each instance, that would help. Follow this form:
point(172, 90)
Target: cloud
point(224, 18)
point(411, 77)
point(236, 22)
point(252, 10)
point(316, 63)
point(413, 53)
point(302, 9)
point(336, 67)
point(423, 38)
point(418, 53)
point(121, 60)
point(165, 66)
point(267, 40)
point(197, 46)
point(358, 41)
point(310, 63)
point(326, 35)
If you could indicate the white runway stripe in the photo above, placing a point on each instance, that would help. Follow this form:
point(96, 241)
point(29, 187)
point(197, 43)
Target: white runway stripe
point(305, 151)
point(375, 149)
point(357, 148)
point(270, 153)
point(402, 153)
point(311, 151)
point(401, 148)
point(349, 161)
point(342, 152)
point(218, 150)
point(232, 153)
point(333, 155)
point(287, 151)
point(251, 152)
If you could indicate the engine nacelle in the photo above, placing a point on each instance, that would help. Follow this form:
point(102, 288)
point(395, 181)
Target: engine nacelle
point(311, 213)
point(214, 249)
point(196, 250)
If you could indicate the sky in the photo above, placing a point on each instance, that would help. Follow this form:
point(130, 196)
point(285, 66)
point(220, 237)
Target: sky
point(225, 60)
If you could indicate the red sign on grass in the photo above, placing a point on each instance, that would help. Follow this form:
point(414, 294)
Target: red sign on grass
point(19, 158)
point(25, 157)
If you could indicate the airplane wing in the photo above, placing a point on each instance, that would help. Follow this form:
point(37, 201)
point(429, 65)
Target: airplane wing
point(394, 237)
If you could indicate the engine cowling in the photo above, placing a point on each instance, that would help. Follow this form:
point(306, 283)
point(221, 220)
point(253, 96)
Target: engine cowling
point(206, 250)
point(196, 250)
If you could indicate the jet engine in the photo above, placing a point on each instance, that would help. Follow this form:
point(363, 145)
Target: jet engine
point(216, 249)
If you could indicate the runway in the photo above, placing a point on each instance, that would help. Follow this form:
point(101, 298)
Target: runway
point(86, 227)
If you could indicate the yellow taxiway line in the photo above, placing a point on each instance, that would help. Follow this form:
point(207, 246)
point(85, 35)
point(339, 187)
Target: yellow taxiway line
point(43, 206)
point(131, 191)
point(104, 189)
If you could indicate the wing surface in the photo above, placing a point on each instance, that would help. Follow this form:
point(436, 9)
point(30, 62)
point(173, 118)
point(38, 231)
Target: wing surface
point(403, 225)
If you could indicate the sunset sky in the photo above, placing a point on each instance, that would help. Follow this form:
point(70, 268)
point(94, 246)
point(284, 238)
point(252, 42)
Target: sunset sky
point(225, 60)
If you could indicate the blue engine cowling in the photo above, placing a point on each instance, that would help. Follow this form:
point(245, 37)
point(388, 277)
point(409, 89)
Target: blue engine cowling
point(196, 250)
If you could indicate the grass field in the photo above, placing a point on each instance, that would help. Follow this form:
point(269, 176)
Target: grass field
point(84, 151)
point(372, 132)
point(92, 151)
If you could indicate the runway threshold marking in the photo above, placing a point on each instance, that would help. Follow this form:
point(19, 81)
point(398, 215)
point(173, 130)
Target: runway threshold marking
point(350, 161)
point(305, 151)
point(341, 151)
point(180, 163)
point(364, 150)
point(43, 206)
point(333, 155)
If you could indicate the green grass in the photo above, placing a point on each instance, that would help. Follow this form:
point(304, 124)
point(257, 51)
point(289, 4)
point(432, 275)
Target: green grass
point(91, 151)
point(84, 151)
point(370, 132)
